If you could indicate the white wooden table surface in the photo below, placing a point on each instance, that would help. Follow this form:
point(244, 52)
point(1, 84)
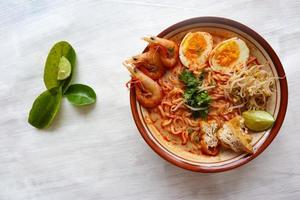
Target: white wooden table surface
point(96, 152)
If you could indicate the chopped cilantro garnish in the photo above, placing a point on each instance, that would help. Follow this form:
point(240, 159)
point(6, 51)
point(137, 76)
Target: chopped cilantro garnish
point(194, 96)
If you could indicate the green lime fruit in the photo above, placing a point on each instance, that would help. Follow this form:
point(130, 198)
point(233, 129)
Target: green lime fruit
point(60, 49)
point(64, 68)
point(258, 120)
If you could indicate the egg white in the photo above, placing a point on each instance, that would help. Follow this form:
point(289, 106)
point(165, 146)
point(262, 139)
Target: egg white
point(240, 61)
point(202, 58)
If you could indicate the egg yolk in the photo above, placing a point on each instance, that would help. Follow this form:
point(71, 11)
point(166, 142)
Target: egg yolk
point(194, 46)
point(227, 53)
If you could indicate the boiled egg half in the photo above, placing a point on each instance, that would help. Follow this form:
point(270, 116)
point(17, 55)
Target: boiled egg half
point(195, 48)
point(228, 55)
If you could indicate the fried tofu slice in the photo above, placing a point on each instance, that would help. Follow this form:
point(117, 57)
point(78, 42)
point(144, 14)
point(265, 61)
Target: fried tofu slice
point(233, 135)
point(209, 141)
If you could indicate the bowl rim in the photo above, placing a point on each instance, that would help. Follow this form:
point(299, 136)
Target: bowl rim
point(273, 132)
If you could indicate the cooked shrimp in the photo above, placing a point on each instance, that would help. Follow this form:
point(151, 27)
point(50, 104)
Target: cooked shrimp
point(168, 50)
point(149, 63)
point(148, 92)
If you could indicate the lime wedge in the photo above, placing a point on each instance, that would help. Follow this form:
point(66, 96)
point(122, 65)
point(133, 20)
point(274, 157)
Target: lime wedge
point(258, 120)
point(64, 68)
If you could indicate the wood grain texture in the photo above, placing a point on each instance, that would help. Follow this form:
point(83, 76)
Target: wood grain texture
point(96, 152)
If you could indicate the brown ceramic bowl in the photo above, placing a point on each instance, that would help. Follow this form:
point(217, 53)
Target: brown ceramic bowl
point(277, 104)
